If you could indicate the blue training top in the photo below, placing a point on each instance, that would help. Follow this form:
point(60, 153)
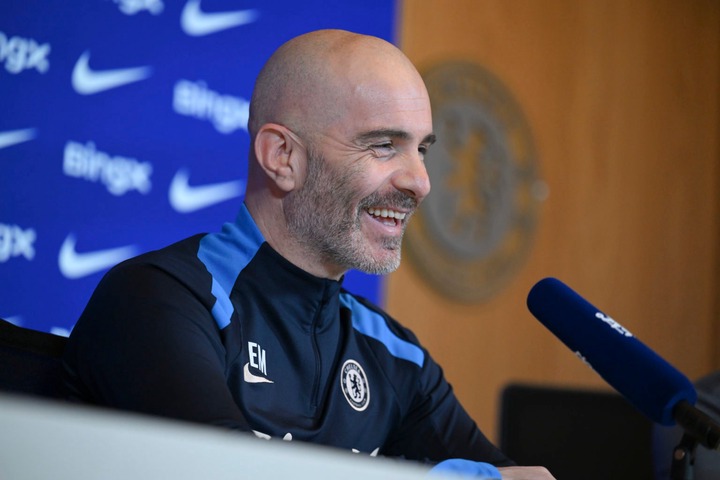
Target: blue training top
point(221, 329)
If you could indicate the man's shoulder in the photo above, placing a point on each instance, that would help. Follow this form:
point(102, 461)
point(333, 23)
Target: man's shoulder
point(372, 321)
point(181, 251)
point(177, 260)
point(361, 305)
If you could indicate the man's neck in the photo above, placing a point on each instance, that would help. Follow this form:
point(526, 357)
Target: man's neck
point(271, 222)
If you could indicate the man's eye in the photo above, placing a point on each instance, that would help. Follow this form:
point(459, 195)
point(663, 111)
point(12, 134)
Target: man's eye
point(382, 146)
point(423, 150)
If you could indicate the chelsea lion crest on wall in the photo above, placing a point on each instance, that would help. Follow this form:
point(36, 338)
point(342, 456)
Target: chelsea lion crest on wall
point(474, 231)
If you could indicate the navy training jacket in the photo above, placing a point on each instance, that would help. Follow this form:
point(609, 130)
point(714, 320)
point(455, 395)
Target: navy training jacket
point(221, 329)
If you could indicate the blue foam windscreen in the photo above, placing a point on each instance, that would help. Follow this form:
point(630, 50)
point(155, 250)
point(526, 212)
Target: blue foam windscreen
point(645, 379)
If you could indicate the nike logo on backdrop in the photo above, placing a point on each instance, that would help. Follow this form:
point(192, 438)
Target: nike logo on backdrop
point(185, 198)
point(250, 378)
point(13, 137)
point(197, 23)
point(77, 265)
point(87, 81)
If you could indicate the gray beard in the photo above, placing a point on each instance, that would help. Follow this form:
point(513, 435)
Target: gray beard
point(319, 217)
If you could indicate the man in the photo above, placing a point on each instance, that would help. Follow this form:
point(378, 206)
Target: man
point(250, 328)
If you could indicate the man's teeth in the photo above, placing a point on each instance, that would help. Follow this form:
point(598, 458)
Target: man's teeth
point(385, 213)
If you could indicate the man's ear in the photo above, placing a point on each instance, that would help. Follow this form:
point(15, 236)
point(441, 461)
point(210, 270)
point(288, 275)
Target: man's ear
point(278, 154)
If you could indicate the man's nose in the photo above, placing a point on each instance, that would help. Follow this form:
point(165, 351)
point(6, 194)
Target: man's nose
point(413, 178)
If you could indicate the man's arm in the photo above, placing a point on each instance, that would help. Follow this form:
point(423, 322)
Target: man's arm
point(437, 427)
point(146, 343)
point(525, 473)
point(470, 469)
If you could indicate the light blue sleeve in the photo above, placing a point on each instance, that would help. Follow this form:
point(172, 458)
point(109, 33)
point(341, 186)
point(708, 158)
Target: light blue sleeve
point(466, 468)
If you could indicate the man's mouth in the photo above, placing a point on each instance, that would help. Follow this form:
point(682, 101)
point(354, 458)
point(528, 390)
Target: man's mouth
point(387, 216)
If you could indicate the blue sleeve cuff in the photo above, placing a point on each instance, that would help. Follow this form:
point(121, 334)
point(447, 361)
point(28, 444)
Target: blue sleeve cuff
point(467, 468)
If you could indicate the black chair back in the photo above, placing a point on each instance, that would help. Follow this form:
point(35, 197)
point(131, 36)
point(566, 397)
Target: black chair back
point(576, 434)
point(30, 361)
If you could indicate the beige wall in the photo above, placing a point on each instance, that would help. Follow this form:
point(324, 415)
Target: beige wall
point(624, 102)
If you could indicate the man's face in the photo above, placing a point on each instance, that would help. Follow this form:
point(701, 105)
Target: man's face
point(365, 177)
point(329, 211)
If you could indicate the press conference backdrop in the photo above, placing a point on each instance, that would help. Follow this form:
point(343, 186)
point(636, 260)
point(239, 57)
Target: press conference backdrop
point(123, 128)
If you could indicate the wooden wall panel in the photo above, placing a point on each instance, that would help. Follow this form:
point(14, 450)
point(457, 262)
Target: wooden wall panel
point(624, 102)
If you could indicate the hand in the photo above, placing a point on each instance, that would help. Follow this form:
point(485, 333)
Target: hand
point(525, 473)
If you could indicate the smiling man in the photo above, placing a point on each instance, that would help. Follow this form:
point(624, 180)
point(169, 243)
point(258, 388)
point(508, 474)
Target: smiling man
point(340, 125)
point(250, 328)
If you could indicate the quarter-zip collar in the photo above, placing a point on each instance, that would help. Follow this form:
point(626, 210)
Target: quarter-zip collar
point(226, 253)
point(299, 292)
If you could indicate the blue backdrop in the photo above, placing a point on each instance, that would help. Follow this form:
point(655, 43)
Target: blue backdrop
point(123, 129)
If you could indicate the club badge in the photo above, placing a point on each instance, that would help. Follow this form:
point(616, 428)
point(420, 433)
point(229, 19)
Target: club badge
point(354, 385)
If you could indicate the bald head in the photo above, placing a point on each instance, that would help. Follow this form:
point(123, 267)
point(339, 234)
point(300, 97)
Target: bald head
point(339, 124)
point(307, 82)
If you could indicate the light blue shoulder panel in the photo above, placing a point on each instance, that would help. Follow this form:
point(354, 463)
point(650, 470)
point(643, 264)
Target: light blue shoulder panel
point(373, 325)
point(225, 254)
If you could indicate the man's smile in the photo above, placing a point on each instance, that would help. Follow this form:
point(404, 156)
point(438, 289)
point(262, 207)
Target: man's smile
point(387, 216)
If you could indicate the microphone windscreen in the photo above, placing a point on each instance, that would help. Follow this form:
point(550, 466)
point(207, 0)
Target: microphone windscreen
point(645, 379)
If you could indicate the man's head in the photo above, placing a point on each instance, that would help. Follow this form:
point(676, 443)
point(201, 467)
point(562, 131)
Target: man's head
point(339, 124)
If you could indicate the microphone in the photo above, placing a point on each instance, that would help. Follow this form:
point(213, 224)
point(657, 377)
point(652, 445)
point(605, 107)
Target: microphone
point(646, 380)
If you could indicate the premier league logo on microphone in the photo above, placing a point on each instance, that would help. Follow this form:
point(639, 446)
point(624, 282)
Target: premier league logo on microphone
point(613, 324)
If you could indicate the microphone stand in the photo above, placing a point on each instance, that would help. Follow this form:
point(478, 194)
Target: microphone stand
point(683, 461)
point(698, 428)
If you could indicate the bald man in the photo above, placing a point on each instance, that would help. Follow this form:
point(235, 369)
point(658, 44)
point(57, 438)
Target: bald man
point(250, 328)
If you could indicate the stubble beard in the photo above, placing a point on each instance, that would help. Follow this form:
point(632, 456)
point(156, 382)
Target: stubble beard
point(321, 217)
